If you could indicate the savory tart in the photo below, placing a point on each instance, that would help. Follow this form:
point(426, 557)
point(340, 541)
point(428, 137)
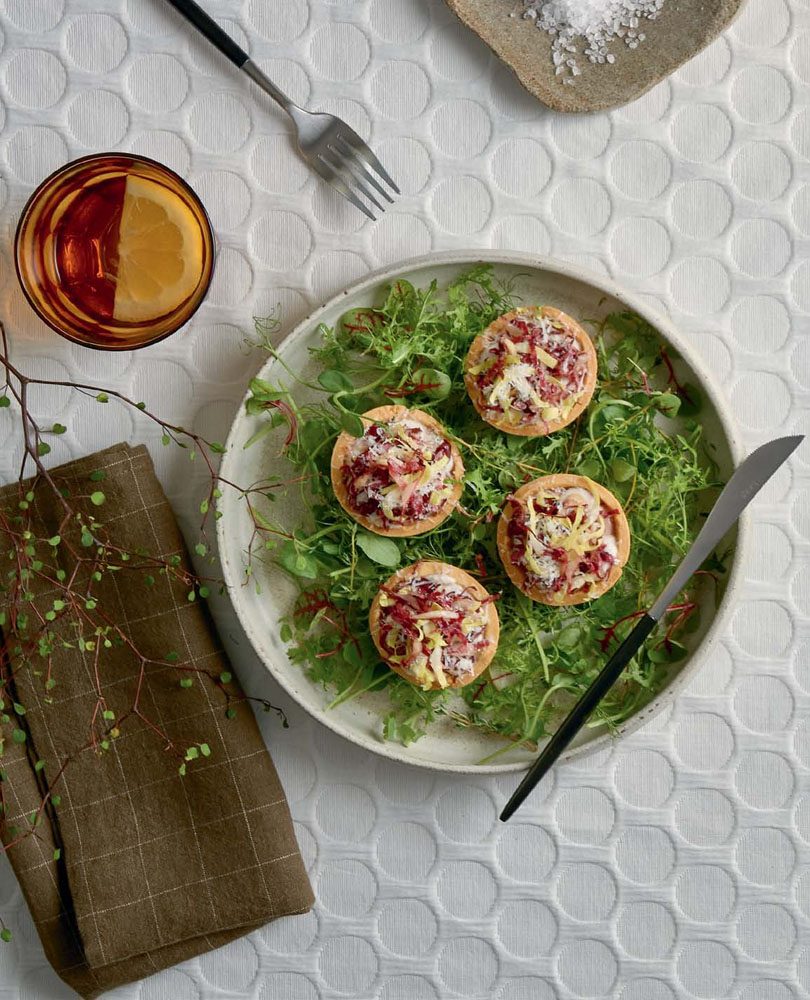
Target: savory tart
point(434, 625)
point(531, 372)
point(402, 476)
point(563, 539)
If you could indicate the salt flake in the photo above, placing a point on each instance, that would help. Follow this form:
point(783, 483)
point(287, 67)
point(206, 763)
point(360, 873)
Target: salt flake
point(587, 27)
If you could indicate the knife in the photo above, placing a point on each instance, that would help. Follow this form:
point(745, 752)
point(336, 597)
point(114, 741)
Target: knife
point(738, 492)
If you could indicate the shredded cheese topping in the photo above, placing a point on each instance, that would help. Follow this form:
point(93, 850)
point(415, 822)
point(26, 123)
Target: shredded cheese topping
point(398, 472)
point(432, 628)
point(564, 540)
point(530, 369)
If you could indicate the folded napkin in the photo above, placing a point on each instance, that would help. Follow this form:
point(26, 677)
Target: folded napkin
point(152, 867)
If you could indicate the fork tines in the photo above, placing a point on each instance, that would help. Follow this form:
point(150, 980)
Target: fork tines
point(351, 167)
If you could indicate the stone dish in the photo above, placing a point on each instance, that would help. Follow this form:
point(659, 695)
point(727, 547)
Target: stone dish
point(445, 747)
point(682, 29)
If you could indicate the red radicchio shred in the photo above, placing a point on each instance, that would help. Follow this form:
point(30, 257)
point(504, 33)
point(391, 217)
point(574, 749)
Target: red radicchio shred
point(571, 368)
point(366, 475)
point(419, 595)
point(599, 561)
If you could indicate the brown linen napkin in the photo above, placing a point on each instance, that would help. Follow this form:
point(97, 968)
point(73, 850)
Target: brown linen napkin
point(155, 868)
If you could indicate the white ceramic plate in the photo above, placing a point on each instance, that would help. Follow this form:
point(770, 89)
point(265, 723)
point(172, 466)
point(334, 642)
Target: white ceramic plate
point(445, 747)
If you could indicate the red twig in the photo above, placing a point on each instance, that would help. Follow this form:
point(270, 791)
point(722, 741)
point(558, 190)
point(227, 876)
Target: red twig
point(32, 631)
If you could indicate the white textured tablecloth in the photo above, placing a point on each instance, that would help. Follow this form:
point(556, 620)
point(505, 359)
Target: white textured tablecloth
point(677, 864)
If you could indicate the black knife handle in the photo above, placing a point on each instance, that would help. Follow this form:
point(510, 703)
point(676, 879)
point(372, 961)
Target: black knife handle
point(580, 713)
point(194, 13)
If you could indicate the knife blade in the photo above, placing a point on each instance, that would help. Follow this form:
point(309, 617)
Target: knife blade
point(747, 480)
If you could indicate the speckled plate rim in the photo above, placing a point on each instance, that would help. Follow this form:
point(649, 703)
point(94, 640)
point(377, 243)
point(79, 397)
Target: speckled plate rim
point(233, 571)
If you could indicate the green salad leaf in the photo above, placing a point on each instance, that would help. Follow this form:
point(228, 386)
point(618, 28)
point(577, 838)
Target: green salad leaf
point(380, 550)
point(411, 350)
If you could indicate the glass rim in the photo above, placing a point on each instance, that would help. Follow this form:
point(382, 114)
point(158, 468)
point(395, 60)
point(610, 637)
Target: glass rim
point(54, 176)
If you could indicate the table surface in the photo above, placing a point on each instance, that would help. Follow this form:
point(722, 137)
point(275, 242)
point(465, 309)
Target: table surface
point(678, 862)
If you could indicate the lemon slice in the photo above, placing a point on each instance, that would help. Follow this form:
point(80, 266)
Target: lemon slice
point(160, 253)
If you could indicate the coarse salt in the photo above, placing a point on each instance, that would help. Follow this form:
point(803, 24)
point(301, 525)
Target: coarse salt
point(587, 27)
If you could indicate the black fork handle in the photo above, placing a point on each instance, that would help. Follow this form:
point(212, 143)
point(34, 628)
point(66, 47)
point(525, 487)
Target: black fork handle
point(207, 26)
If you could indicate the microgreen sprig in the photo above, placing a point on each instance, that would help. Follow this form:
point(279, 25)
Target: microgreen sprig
point(411, 349)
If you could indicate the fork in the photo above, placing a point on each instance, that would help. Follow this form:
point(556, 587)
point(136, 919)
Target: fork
point(326, 142)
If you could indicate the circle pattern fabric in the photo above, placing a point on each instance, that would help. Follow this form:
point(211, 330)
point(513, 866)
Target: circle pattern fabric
point(676, 864)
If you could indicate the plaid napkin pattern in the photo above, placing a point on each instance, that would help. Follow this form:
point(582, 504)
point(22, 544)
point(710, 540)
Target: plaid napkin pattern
point(151, 867)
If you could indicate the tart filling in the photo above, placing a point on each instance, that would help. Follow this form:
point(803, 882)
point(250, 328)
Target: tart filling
point(530, 370)
point(435, 625)
point(563, 542)
point(401, 473)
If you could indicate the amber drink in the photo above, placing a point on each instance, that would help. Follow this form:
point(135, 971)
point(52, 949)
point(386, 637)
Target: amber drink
point(114, 251)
